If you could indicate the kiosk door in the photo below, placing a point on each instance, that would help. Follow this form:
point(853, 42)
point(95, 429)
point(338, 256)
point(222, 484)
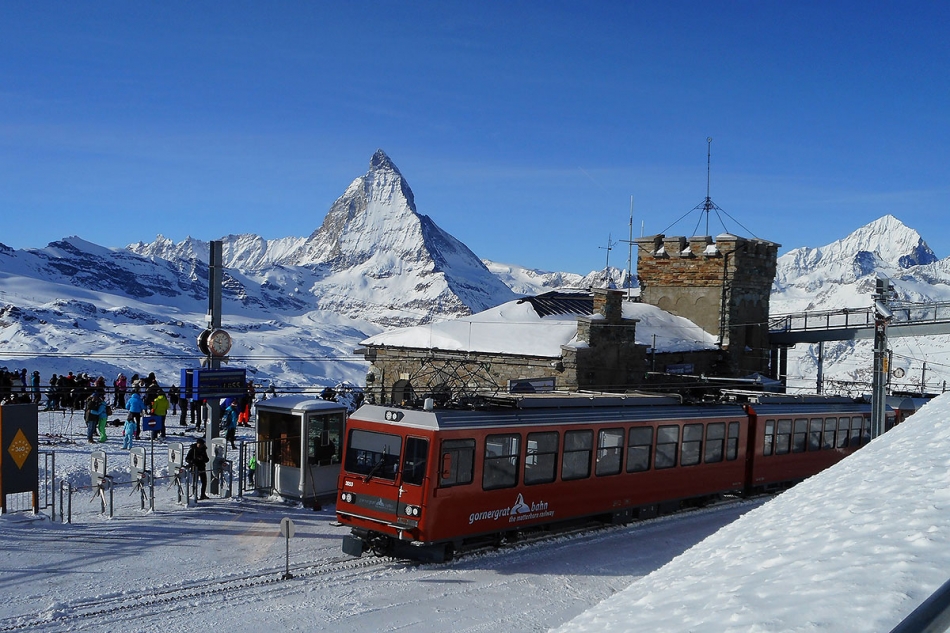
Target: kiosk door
point(324, 450)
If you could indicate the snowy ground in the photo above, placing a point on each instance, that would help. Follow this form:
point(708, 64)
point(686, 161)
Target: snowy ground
point(854, 549)
point(221, 563)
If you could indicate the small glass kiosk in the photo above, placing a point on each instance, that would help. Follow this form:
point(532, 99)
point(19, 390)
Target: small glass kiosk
point(299, 445)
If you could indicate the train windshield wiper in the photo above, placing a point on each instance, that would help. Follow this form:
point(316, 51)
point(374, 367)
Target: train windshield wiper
point(376, 467)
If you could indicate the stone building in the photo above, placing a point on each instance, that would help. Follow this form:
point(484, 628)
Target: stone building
point(705, 303)
point(562, 341)
point(723, 286)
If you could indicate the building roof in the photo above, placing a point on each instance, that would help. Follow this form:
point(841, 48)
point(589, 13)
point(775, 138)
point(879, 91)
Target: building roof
point(560, 303)
point(519, 328)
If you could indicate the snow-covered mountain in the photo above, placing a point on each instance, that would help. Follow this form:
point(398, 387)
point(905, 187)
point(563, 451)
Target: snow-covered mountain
point(843, 274)
point(298, 306)
point(374, 257)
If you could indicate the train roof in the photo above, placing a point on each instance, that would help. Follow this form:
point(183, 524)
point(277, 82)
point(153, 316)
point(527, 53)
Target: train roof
point(556, 409)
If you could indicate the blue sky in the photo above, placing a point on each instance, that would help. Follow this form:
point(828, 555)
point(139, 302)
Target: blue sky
point(523, 128)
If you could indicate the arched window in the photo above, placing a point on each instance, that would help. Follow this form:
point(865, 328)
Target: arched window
point(402, 392)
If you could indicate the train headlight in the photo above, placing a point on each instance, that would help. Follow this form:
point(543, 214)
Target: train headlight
point(347, 497)
point(413, 511)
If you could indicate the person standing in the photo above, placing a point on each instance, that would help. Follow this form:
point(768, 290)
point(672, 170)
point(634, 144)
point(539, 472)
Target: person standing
point(136, 406)
point(103, 418)
point(120, 386)
point(128, 433)
point(173, 396)
point(94, 408)
point(35, 387)
point(197, 459)
point(230, 421)
point(160, 408)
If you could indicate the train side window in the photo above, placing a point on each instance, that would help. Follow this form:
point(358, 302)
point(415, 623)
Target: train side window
point(458, 463)
point(715, 437)
point(502, 453)
point(866, 431)
point(828, 438)
point(856, 422)
point(640, 448)
point(769, 437)
point(609, 452)
point(814, 434)
point(783, 436)
point(732, 448)
point(667, 441)
point(414, 460)
point(843, 430)
point(692, 446)
point(540, 464)
point(799, 435)
point(578, 447)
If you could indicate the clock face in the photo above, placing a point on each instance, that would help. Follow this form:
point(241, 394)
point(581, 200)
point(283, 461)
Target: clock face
point(219, 342)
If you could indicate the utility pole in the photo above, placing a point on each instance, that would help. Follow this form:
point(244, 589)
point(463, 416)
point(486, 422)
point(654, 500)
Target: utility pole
point(882, 314)
point(215, 280)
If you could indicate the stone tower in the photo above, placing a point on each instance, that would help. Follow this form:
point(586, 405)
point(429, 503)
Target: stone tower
point(722, 285)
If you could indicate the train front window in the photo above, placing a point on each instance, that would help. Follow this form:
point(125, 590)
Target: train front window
point(501, 461)
point(540, 464)
point(373, 455)
point(414, 462)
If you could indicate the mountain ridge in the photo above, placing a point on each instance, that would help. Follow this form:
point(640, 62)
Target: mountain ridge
point(298, 306)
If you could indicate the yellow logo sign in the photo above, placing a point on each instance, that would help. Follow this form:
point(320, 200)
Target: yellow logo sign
point(20, 448)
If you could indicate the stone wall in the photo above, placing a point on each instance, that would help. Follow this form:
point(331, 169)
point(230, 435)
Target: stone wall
point(723, 286)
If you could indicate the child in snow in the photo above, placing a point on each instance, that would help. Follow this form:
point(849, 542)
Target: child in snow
point(129, 433)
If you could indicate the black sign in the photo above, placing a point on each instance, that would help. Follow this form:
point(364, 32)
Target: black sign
point(219, 383)
point(19, 463)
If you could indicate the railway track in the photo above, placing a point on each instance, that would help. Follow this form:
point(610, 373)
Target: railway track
point(167, 598)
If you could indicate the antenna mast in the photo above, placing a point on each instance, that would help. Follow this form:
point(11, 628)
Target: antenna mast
point(708, 204)
point(608, 248)
point(630, 253)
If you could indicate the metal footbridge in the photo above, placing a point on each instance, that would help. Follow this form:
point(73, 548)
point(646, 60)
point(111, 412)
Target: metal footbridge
point(908, 319)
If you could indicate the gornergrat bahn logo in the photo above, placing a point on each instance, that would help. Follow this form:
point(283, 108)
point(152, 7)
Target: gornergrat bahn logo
point(520, 511)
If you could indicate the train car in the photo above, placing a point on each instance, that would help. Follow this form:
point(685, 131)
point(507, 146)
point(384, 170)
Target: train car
point(424, 483)
point(794, 437)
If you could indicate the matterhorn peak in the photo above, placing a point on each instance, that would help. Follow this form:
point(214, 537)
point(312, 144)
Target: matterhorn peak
point(381, 161)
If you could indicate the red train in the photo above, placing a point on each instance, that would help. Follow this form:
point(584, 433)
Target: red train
point(425, 483)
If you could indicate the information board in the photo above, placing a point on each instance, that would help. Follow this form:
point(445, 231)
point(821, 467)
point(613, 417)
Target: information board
point(207, 384)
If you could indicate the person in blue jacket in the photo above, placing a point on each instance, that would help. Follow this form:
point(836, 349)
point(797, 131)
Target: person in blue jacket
point(229, 422)
point(136, 405)
point(128, 433)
